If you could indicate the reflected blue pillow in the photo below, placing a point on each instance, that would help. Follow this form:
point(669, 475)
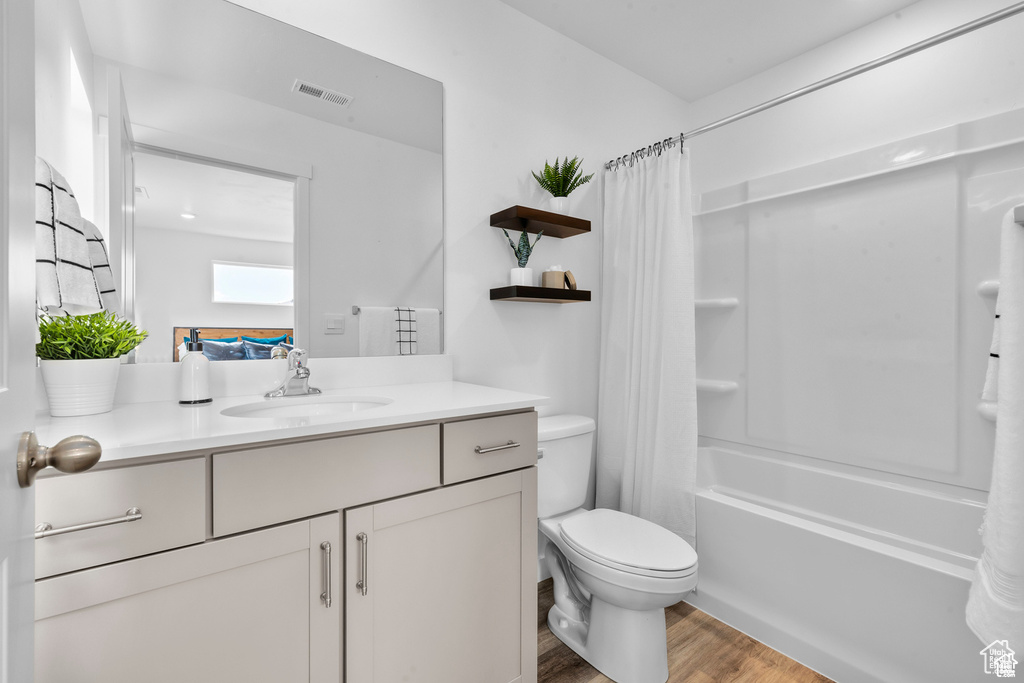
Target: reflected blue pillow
point(268, 340)
point(258, 351)
point(204, 339)
point(218, 350)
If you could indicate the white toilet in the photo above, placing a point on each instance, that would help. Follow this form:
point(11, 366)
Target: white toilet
point(614, 574)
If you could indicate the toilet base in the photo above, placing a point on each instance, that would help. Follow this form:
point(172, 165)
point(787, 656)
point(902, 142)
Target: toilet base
point(627, 646)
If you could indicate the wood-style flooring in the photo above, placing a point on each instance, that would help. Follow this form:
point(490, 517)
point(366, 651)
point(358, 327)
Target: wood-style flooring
point(700, 650)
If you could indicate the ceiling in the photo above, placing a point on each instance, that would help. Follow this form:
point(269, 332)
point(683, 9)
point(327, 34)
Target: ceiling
point(694, 48)
point(225, 202)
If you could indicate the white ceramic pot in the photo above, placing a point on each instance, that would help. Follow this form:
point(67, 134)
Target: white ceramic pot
point(559, 205)
point(521, 276)
point(80, 387)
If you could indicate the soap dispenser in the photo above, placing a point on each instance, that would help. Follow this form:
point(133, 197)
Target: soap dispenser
point(194, 387)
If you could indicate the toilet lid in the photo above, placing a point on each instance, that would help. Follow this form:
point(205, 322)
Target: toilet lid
point(626, 542)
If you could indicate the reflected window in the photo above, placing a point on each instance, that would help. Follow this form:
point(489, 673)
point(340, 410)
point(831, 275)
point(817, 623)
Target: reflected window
point(250, 283)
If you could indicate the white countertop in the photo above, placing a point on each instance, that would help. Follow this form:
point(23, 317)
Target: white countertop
point(138, 430)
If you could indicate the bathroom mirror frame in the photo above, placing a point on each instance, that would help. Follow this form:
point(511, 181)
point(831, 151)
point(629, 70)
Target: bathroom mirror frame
point(403, 116)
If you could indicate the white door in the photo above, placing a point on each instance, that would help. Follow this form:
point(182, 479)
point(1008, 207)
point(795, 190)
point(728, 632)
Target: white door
point(17, 333)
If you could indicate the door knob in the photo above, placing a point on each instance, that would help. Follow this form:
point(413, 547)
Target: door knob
point(70, 455)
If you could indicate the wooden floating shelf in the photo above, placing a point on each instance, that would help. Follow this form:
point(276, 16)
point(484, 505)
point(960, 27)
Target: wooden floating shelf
point(534, 220)
point(545, 295)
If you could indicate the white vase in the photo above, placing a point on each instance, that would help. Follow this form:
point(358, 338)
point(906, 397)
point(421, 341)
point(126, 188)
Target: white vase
point(559, 205)
point(521, 276)
point(80, 387)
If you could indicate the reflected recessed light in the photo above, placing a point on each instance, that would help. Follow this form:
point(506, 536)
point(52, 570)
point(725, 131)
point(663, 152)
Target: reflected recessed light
point(188, 216)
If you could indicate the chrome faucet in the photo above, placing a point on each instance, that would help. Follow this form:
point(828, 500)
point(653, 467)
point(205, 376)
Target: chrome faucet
point(296, 382)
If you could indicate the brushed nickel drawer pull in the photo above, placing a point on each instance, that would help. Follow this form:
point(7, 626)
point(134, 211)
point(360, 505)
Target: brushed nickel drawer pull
point(361, 584)
point(325, 597)
point(510, 444)
point(46, 529)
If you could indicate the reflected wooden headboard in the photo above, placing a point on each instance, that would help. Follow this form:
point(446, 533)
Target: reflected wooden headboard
point(226, 332)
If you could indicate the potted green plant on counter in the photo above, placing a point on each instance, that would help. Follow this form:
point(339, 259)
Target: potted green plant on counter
point(79, 356)
point(560, 180)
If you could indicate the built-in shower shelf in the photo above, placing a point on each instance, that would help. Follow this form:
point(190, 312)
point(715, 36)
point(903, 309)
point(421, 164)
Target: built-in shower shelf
point(717, 386)
point(987, 409)
point(728, 302)
point(546, 295)
point(534, 221)
point(989, 289)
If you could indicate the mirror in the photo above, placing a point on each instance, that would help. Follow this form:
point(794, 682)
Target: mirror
point(251, 143)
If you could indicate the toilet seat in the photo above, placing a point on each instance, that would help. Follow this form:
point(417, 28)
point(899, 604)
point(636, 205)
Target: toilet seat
point(629, 544)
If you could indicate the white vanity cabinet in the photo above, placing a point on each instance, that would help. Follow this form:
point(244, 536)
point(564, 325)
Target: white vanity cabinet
point(248, 608)
point(441, 587)
point(431, 570)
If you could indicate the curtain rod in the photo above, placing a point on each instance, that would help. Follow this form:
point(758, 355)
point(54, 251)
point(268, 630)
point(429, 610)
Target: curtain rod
point(956, 32)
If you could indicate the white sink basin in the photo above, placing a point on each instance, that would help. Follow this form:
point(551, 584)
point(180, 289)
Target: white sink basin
point(306, 406)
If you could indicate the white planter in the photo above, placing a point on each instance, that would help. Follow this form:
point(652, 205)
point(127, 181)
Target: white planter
point(80, 387)
point(521, 276)
point(559, 205)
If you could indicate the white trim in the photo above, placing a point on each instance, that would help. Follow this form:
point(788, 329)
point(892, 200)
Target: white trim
point(952, 142)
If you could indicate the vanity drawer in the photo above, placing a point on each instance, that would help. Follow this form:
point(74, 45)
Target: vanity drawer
point(170, 496)
point(262, 486)
point(489, 445)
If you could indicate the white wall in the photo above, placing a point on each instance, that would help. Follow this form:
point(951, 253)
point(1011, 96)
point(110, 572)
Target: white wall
point(174, 285)
point(516, 93)
point(64, 124)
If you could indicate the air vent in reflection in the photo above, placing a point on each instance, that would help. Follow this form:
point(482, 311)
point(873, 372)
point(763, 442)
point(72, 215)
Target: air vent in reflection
point(324, 94)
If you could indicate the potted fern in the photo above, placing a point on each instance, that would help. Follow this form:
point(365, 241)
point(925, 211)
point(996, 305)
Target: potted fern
point(560, 180)
point(80, 357)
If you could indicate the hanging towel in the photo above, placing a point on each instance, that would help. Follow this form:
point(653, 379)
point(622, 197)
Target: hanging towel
point(100, 261)
point(995, 606)
point(64, 274)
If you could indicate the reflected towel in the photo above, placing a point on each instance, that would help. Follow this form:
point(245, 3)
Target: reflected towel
point(377, 335)
point(428, 331)
point(995, 607)
point(399, 331)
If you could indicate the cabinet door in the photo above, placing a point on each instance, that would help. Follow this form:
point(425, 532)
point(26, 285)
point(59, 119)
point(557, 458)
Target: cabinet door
point(246, 608)
point(441, 587)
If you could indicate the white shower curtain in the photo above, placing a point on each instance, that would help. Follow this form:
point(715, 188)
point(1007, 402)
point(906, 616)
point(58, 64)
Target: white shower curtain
point(647, 404)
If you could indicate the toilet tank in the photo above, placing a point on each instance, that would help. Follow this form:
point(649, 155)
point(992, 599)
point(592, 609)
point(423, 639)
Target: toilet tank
point(566, 443)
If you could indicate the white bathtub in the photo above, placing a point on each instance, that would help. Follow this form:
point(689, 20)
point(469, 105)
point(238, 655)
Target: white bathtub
point(861, 579)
